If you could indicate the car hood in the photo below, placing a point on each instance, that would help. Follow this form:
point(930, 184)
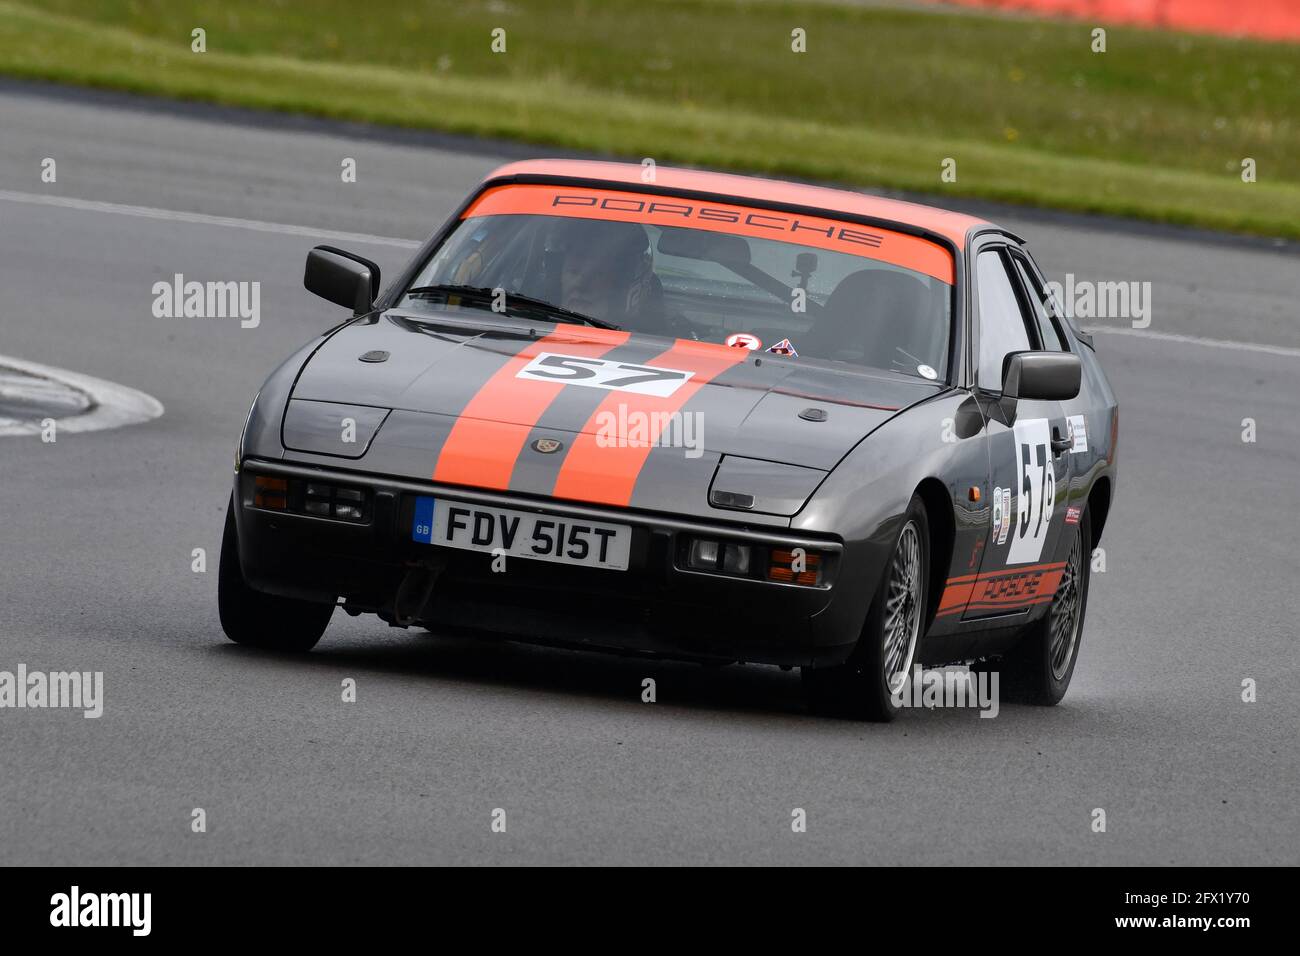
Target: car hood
point(436, 370)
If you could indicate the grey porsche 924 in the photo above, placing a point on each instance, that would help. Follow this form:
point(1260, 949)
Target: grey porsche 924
point(709, 417)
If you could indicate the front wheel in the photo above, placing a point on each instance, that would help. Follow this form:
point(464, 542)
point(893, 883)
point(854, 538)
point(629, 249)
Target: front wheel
point(256, 619)
point(864, 686)
point(1038, 669)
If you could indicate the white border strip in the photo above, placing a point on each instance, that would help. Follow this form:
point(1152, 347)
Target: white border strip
point(171, 215)
point(1281, 350)
point(115, 405)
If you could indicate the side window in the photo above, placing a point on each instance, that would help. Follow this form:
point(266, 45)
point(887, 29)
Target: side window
point(1002, 325)
point(1048, 334)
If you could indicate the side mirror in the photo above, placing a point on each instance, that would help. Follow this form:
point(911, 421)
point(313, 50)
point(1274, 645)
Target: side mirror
point(342, 278)
point(1045, 376)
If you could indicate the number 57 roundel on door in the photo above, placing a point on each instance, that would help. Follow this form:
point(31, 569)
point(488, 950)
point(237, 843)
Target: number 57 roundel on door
point(1035, 491)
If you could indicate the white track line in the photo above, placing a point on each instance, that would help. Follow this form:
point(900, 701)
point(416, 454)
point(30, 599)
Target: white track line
point(114, 405)
point(172, 215)
point(1282, 350)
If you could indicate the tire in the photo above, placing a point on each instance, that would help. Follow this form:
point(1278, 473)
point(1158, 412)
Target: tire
point(1039, 668)
point(886, 650)
point(255, 619)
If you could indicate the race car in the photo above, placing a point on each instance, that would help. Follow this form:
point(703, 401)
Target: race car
point(693, 415)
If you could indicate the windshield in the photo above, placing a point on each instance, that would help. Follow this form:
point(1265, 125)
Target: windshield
point(715, 280)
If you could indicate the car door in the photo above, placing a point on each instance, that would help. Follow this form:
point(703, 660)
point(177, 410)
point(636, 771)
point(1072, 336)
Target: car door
point(1028, 451)
point(1088, 421)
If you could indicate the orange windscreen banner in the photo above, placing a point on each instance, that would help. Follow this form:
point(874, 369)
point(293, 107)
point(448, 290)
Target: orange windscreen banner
point(578, 202)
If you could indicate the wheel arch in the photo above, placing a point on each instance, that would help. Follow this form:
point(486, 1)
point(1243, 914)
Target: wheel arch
point(1098, 508)
point(943, 530)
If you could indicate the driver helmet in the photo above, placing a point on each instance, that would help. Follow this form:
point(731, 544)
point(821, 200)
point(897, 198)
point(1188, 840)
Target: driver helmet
point(605, 269)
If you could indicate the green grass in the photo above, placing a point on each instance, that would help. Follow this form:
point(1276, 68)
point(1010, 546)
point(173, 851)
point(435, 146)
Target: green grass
point(1154, 128)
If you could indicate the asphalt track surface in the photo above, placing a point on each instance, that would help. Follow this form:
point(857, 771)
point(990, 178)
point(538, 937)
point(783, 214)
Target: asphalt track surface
point(97, 532)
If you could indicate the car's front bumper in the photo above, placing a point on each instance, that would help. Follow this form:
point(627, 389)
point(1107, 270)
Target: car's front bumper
point(656, 606)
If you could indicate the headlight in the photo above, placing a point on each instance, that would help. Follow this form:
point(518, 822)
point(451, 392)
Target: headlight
point(769, 487)
point(309, 497)
point(741, 559)
point(328, 428)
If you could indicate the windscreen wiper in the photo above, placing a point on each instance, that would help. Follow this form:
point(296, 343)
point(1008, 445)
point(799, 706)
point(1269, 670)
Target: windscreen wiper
point(480, 293)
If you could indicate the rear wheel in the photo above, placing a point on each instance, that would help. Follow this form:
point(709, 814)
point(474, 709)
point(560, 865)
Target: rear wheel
point(255, 619)
point(1038, 670)
point(864, 686)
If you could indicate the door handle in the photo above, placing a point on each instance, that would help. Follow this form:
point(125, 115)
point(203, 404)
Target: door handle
point(1059, 444)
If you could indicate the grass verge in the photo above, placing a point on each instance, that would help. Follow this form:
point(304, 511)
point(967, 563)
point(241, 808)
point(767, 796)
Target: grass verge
point(1154, 128)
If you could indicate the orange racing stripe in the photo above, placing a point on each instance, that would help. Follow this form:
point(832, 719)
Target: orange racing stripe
point(490, 433)
point(603, 473)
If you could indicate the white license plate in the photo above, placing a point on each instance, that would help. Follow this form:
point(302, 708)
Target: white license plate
point(521, 534)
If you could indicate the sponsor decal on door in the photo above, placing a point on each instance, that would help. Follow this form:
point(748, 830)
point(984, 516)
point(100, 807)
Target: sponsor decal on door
point(1078, 426)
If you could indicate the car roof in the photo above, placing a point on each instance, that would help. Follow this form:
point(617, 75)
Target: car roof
point(953, 226)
